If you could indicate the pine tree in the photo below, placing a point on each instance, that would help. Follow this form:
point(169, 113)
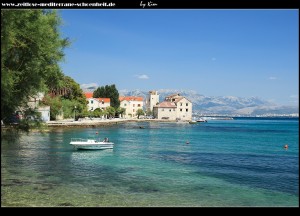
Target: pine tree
point(109, 91)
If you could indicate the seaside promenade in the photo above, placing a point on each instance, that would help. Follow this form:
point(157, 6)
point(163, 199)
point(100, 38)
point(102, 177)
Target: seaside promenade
point(98, 122)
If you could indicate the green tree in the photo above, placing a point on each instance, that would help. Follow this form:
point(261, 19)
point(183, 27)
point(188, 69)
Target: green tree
point(68, 107)
point(104, 113)
point(31, 49)
point(72, 90)
point(56, 106)
point(108, 91)
point(99, 92)
point(72, 96)
point(140, 112)
point(98, 112)
point(111, 111)
point(120, 111)
point(149, 113)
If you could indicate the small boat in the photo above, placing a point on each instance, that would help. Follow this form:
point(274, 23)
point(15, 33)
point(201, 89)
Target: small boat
point(201, 120)
point(193, 122)
point(92, 144)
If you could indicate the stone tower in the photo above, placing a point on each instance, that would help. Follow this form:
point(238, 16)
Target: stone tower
point(152, 100)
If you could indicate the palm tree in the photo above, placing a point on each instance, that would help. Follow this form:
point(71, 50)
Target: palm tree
point(121, 111)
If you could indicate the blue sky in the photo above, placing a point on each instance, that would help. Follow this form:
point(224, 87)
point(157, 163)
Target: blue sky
point(240, 53)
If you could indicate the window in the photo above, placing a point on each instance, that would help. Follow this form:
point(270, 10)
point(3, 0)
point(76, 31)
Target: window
point(187, 104)
point(133, 105)
point(133, 110)
point(180, 104)
point(139, 105)
point(102, 101)
point(170, 110)
point(92, 101)
point(92, 108)
point(173, 100)
point(180, 110)
point(187, 110)
point(173, 109)
point(163, 110)
point(125, 104)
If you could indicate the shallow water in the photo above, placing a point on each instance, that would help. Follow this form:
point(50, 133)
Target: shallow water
point(218, 163)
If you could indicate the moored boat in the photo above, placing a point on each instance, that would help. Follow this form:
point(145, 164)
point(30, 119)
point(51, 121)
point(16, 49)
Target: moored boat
point(201, 120)
point(91, 144)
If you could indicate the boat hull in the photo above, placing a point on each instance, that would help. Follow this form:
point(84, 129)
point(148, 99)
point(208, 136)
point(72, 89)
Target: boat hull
point(91, 144)
point(93, 147)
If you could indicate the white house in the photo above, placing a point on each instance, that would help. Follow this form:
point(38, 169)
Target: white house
point(174, 107)
point(165, 110)
point(45, 113)
point(94, 103)
point(34, 104)
point(131, 104)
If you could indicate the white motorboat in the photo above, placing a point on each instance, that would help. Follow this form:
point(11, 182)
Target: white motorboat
point(201, 120)
point(91, 144)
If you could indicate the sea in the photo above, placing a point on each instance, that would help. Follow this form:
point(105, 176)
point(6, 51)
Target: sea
point(219, 163)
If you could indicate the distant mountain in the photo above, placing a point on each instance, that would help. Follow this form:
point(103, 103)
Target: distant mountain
point(91, 87)
point(221, 105)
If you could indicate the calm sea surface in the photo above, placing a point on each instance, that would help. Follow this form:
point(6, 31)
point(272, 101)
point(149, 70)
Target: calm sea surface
point(238, 162)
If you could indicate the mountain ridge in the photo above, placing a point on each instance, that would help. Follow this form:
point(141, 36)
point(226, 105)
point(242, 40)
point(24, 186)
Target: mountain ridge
point(221, 105)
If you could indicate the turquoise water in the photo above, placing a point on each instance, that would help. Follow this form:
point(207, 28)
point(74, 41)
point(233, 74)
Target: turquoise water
point(219, 163)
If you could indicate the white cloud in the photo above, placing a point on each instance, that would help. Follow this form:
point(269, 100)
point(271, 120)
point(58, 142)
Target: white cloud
point(272, 78)
point(142, 76)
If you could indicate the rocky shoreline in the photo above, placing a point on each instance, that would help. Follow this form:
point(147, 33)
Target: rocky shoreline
point(70, 123)
point(98, 122)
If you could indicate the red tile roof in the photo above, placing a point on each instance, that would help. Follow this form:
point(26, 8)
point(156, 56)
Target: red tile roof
point(178, 99)
point(88, 95)
point(105, 100)
point(166, 104)
point(131, 98)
